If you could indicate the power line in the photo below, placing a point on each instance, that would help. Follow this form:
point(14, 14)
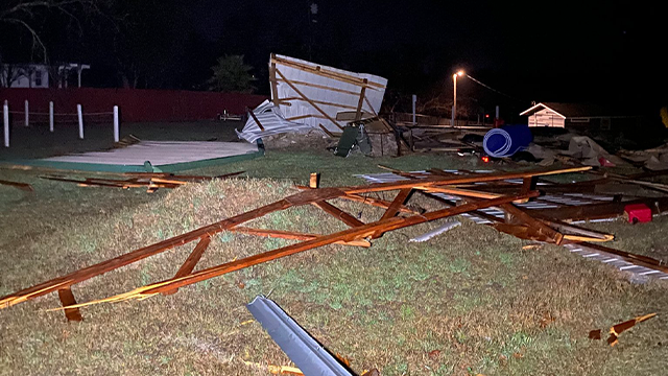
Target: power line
point(494, 90)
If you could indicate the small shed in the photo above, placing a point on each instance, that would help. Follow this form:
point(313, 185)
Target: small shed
point(578, 116)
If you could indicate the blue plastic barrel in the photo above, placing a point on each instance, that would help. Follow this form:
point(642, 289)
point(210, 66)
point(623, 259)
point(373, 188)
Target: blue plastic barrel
point(507, 140)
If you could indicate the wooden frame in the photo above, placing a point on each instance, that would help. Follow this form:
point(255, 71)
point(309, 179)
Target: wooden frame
point(358, 234)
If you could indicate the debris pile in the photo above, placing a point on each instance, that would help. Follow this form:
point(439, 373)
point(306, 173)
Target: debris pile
point(476, 192)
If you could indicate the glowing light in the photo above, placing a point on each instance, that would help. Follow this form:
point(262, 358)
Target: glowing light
point(486, 115)
point(460, 73)
point(485, 159)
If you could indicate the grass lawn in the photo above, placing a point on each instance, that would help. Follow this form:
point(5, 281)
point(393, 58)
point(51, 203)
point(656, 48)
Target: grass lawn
point(468, 302)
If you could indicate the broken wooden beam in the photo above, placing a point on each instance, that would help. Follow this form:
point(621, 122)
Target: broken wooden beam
point(22, 186)
point(67, 299)
point(192, 260)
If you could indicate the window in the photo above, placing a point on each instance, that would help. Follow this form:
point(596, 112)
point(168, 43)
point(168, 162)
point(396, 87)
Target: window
point(38, 78)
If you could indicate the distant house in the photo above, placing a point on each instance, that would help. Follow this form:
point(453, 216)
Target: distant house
point(576, 115)
point(39, 75)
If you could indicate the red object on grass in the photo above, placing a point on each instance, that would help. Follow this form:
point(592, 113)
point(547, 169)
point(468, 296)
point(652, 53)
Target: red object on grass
point(638, 213)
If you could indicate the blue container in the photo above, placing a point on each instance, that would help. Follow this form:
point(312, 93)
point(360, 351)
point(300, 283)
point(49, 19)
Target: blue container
point(507, 140)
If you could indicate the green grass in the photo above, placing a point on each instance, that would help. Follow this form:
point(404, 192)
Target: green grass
point(466, 302)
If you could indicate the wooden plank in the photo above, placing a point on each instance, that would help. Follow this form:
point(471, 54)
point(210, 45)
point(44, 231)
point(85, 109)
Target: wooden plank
point(22, 186)
point(257, 121)
point(318, 70)
point(272, 80)
point(67, 299)
point(291, 235)
point(460, 192)
point(358, 111)
point(538, 226)
point(396, 203)
point(323, 87)
point(338, 214)
point(307, 116)
point(360, 232)
point(327, 132)
point(314, 180)
point(315, 106)
point(288, 99)
point(192, 260)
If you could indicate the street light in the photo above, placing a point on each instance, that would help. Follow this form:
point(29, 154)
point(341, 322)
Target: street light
point(454, 102)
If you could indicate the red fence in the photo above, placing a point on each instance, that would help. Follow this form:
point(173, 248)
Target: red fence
point(135, 105)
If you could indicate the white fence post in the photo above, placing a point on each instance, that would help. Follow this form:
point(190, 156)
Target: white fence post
point(26, 107)
point(51, 116)
point(5, 118)
point(80, 115)
point(116, 131)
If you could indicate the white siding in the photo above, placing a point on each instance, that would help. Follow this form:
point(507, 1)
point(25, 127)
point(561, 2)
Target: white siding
point(546, 118)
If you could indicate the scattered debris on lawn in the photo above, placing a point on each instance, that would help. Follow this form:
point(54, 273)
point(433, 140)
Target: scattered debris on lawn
point(551, 215)
point(22, 186)
point(310, 356)
point(616, 330)
point(151, 180)
point(437, 231)
point(395, 216)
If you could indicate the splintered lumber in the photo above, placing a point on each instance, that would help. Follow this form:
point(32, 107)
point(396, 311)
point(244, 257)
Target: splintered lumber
point(22, 186)
point(192, 260)
point(398, 202)
point(539, 227)
point(354, 233)
point(152, 181)
point(616, 330)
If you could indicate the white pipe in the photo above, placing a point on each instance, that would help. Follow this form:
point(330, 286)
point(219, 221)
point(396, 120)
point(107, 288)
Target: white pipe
point(27, 110)
point(5, 117)
point(414, 100)
point(51, 116)
point(116, 133)
point(80, 115)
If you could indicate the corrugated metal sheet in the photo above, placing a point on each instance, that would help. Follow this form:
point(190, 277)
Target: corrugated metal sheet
point(326, 87)
point(273, 122)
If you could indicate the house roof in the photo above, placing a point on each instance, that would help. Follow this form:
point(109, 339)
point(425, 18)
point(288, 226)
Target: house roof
point(575, 110)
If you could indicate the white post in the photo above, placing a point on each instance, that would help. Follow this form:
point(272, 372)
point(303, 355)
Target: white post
point(414, 103)
point(26, 107)
point(51, 116)
point(5, 117)
point(80, 115)
point(116, 135)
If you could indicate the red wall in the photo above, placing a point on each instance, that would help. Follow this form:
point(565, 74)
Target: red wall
point(134, 104)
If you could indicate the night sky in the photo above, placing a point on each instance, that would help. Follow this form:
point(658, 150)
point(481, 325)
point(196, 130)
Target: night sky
point(602, 51)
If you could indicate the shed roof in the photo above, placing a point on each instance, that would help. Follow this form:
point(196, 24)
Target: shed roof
point(576, 110)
